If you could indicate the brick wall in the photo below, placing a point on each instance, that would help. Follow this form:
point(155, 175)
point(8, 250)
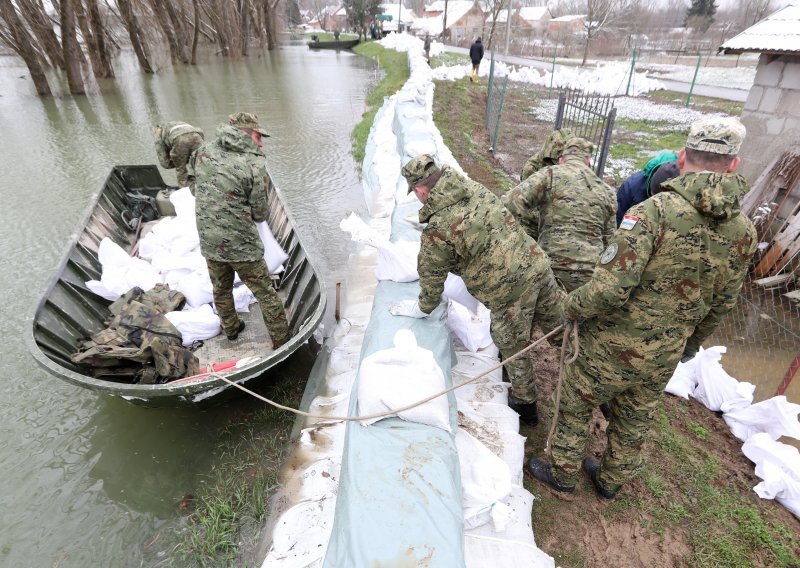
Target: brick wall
point(771, 114)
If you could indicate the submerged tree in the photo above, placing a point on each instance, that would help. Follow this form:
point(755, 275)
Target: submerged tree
point(14, 35)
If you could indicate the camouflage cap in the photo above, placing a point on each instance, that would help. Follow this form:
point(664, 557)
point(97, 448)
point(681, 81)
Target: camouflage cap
point(417, 169)
point(721, 135)
point(578, 147)
point(553, 147)
point(247, 120)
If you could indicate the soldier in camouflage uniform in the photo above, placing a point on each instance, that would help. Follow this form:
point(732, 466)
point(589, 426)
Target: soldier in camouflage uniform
point(672, 271)
point(230, 186)
point(470, 234)
point(575, 210)
point(175, 141)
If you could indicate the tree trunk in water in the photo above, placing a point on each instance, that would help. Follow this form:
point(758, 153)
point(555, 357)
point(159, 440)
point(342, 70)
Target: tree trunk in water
point(132, 25)
point(88, 38)
point(269, 21)
point(42, 29)
point(180, 34)
point(164, 23)
point(24, 47)
point(196, 32)
point(69, 43)
point(245, 17)
point(99, 32)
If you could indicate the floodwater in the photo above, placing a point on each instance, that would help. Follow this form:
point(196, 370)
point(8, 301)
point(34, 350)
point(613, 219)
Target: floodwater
point(88, 480)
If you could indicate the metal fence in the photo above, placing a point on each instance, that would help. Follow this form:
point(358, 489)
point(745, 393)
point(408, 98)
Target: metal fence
point(494, 104)
point(589, 116)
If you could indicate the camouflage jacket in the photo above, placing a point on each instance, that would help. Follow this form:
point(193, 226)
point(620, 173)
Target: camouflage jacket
point(576, 215)
point(671, 272)
point(470, 234)
point(165, 136)
point(230, 187)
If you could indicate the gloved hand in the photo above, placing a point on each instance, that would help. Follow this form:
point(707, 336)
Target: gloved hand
point(688, 356)
point(568, 323)
point(408, 308)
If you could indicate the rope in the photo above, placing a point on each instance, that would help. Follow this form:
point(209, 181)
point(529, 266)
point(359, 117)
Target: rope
point(394, 411)
point(572, 329)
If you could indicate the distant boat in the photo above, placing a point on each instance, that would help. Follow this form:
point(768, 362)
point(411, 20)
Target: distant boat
point(69, 312)
point(340, 44)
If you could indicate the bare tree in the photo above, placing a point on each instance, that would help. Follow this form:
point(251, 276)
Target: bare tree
point(41, 28)
point(600, 14)
point(14, 35)
point(131, 23)
point(71, 49)
point(99, 31)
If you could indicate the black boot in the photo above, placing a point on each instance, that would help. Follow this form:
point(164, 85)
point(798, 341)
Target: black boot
point(233, 336)
point(527, 412)
point(542, 471)
point(592, 468)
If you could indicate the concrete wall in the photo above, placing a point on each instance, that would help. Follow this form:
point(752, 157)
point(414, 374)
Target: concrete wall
point(771, 114)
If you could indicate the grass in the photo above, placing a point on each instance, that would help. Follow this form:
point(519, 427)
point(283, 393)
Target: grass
point(234, 497)
point(709, 104)
point(395, 67)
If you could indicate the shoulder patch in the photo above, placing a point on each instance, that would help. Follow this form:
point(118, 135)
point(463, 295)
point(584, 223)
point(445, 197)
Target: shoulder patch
point(628, 222)
point(609, 254)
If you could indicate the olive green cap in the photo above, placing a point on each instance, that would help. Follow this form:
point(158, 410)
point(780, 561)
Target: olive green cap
point(720, 135)
point(578, 147)
point(247, 120)
point(418, 169)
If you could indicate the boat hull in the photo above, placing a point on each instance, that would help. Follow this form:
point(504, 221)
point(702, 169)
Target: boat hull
point(69, 312)
point(341, 44)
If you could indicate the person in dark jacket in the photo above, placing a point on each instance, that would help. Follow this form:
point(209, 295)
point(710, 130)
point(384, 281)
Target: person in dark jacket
point(647, 182)
point(475, 55)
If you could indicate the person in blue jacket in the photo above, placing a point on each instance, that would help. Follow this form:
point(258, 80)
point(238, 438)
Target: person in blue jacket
point(646, 183)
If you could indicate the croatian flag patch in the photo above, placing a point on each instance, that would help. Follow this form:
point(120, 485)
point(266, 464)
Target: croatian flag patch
point(628, 222)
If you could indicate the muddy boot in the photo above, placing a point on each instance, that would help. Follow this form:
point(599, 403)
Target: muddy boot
point(542, 471)
point(592, 468)
point(527, 412)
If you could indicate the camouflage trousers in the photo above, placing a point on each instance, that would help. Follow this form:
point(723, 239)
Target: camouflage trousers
point(179, 154)
point(256, 276)
point(588, 382)
point(512, 326)
point(571, 279)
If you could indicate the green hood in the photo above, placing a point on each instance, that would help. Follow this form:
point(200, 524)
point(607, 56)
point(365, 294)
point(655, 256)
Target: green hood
point(712, 194)
point(445, 193)
point(235, 140)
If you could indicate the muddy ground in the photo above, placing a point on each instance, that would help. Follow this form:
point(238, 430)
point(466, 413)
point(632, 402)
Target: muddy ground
point(693, 503)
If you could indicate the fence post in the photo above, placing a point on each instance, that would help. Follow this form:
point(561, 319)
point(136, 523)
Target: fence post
point(601, 158)
point(553, 70)
point(499, 114)
point(694, 78)
point(630, 76)
point(562, 99)
point(489, 92)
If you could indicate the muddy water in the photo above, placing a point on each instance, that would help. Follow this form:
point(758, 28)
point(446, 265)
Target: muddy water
point(88, 480)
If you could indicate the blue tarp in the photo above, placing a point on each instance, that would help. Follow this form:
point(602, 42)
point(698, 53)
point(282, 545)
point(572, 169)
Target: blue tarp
point(399, 499)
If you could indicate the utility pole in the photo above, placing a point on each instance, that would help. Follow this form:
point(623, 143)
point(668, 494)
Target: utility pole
point(508, 27)
point(399, 14)
point(444, 21)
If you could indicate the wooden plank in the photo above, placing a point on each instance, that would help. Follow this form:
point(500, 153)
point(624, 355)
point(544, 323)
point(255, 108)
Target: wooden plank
point(782, 248)
point(774, 281)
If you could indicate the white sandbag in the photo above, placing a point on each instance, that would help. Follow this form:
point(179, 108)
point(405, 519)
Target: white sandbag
point(456, 290)
point(303, 533)
point(196, 324)
point(360, 232)
point(778, 464)
point(715, 386)
point(110, 254)
point(401, 375)
point(775, 416)
point(183, 202)
point(470, 328)
point(274, 255)
point(101, 290)
point(197, 289)
point(683, 380)
point(485, 478)
point(397, 261)
point(242, 298)
point(142, 274)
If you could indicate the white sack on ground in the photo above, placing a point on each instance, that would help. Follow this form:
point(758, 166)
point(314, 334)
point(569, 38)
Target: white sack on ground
point(684, 380)
point(470, 328)
point(485, 479)
point(778, 465)
point(456, 289)
point(776, 417)
point(195, 324)
point(715, 386)
point(274, 255)
point(399, 376)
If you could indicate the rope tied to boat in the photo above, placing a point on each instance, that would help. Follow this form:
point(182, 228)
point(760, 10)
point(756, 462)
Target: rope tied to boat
point(391, 412)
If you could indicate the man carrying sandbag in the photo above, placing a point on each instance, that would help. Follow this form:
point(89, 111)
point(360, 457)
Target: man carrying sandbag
point(471, 234)
point(175, 141)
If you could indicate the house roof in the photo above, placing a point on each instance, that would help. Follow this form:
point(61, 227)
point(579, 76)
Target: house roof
point(406, 15)
point(534, 13)
point(777, 33)
point(569, 18)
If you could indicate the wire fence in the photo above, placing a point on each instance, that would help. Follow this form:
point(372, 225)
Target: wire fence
point(495, 97)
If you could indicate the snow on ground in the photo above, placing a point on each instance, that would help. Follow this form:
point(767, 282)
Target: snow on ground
point(732, 77)
point(606, 79)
